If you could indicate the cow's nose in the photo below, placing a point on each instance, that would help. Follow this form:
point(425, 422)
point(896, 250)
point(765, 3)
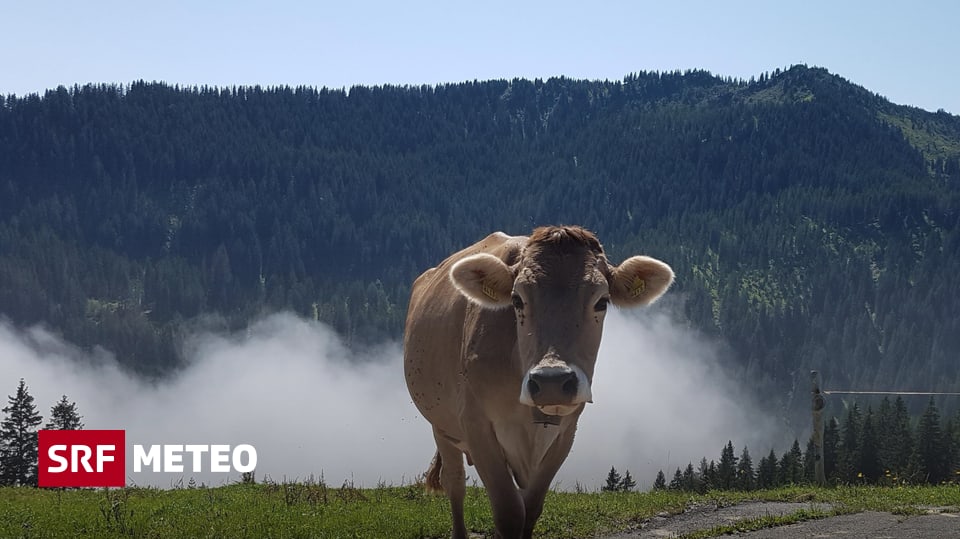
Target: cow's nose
point(552, 386)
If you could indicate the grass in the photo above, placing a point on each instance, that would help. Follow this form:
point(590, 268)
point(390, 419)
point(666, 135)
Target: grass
point(311, 509)
point(934, 139)
point(759, 523)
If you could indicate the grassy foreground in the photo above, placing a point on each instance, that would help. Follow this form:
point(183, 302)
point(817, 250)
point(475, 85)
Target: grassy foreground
point(315, 510)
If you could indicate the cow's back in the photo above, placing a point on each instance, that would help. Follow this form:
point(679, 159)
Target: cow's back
point(434, 334)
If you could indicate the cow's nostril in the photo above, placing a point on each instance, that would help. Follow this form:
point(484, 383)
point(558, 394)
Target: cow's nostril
point(570, 386)
point(533, 387)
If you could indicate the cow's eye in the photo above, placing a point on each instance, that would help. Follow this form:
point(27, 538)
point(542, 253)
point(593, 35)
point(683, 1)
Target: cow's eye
point(517, 302)
point(601, 305)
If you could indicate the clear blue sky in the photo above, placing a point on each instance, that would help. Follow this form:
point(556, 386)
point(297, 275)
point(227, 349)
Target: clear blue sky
point(906, 51)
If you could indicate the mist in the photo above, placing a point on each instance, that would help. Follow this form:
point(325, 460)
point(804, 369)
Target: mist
point(311, 407)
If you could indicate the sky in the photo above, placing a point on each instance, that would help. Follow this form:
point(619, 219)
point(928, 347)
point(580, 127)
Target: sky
point(311, 408)
point(905, 51)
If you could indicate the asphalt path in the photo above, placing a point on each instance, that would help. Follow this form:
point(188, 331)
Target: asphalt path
point(937, 523)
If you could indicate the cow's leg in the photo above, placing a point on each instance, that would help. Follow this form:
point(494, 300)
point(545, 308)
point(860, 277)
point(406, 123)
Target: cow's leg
point(536, 491)
point(453, 480)
point(492, 467)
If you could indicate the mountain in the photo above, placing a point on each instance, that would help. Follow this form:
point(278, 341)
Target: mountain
point(812, 223)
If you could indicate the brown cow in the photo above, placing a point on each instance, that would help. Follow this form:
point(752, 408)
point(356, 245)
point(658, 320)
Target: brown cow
point(499, 350)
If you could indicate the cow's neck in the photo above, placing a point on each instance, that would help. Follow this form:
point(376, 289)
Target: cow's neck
point(525, 443)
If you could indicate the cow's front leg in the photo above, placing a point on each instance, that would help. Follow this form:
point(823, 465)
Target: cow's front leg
point(536, 491)
point(491, 465)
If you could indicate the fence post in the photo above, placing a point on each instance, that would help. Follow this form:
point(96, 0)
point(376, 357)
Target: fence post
point(818, 405)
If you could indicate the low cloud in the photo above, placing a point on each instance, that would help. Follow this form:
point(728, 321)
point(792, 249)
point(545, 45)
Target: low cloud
point(661, 401)
point(311, 406)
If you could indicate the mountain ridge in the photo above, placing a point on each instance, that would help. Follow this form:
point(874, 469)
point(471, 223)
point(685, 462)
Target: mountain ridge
point(807, 217)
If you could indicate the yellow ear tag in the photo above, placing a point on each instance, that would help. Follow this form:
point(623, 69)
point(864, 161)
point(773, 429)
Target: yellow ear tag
point(638, 286)
point(489, 291)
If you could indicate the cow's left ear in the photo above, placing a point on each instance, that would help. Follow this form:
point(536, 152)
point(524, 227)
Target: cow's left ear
point(484, 279)
point(640, 280)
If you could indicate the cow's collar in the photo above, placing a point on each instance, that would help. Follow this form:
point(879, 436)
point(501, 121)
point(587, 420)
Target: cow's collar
point(541, 418)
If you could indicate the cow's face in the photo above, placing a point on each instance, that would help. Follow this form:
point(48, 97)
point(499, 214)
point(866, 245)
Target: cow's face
point(559, 291)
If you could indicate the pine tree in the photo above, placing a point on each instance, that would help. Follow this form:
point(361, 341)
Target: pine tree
point(18, 439)
point(711, 480)
point(627, 483)
point(677, 482)
point(953, 439)
point(727, 468)
point(660, 483)
point(791, 466)
point(849, 450)
point(900, 441)
point(931, 457)
point(885, 443)
point(831, 441)
point(689, 479)
point(64, 416)
point(613, 481)
point(767, 476)
point(746, 479)
point(809, 462)
point(869, 451)
point(705, 475)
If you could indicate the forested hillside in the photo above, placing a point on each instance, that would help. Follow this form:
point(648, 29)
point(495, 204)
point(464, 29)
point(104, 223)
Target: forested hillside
point(812, 223)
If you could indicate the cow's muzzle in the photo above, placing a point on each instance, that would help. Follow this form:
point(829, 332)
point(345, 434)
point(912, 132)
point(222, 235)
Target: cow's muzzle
point(556, 390)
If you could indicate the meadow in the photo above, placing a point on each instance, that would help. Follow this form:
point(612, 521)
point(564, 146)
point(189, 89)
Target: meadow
point(313, 509)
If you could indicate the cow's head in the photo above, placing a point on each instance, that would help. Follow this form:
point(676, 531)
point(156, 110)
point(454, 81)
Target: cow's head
point(559, 289)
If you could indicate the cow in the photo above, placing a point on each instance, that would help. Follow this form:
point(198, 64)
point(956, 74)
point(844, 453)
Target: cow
point(499, 347)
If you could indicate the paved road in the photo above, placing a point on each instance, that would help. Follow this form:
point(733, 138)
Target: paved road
point(937, 523)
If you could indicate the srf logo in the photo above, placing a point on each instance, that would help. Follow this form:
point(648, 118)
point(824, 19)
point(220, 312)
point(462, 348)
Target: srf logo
point(81, 458)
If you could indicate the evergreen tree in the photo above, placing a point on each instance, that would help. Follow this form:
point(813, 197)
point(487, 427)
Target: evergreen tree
point(727, 468)
point(711, 480)
point(745, 474)
point(809, 462)
point(689, 479)
point(831, 441)
point(64, 416)
point(767, 474)
point(613, 481)
point(677, 482)
point(897, 441)
point(627, 483)
point(18, 439)
point(953, 438)
point(791, 466)
point(706, 477)
point(885, 447)
point(869, 451)
point(849, 450)
point(931, 456)
point(660, 483)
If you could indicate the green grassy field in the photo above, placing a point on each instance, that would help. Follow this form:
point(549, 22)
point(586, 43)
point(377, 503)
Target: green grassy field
point(315, 510)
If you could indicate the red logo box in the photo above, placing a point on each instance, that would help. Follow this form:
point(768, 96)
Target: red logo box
point(81, 458)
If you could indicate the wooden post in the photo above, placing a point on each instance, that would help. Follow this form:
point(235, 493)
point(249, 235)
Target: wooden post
point(818, 405)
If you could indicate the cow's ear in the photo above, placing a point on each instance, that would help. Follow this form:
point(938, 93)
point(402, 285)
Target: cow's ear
point(640, 280)
point(484, 279)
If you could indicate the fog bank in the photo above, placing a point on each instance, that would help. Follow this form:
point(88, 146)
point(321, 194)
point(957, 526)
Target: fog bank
point(310, 406)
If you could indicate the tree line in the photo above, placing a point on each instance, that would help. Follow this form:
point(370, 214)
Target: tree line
point(873, 447)
point(18, 434)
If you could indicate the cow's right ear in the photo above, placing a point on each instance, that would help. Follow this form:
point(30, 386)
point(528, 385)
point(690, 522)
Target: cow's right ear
point(484, 279)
